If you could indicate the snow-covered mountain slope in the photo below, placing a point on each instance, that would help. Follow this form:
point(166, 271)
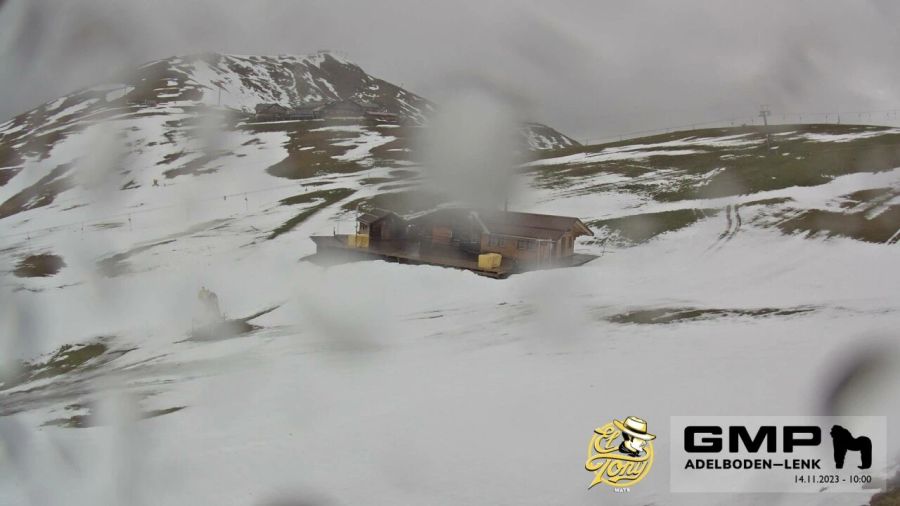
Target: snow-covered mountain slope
point(194, 85)
point(242, 82)
point(817, 180)
point(540, 137)
point(731, 279)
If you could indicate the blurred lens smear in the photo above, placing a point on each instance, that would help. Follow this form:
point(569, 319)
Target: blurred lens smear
point(163, 165)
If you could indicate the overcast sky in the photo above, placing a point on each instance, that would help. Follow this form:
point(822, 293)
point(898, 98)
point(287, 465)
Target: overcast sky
point(587, 67)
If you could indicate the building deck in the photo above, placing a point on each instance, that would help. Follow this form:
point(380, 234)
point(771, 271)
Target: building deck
point(334, 249)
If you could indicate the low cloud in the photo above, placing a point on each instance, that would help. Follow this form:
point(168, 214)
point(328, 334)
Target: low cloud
point(589, 69)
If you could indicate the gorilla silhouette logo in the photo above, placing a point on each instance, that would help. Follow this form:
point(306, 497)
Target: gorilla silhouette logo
point(843, 441)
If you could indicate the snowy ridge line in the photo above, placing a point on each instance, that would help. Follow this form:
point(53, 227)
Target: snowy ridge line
point(592, 156)
point(101, 219)
point(748, 120)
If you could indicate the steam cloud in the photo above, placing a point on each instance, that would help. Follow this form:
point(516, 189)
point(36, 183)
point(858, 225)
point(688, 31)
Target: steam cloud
point(470, 149)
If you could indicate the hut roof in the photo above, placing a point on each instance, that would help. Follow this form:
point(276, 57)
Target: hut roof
point(365, 104)
point(384, 113)
point(264, 108)
point(310, 106)
point(511, 223)
point(539, 226)
point(374, 215)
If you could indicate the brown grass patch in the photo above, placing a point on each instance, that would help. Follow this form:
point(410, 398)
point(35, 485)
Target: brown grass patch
point(39, 266)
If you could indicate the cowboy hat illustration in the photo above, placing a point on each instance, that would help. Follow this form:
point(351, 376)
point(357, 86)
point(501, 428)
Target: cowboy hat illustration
point(634, 435)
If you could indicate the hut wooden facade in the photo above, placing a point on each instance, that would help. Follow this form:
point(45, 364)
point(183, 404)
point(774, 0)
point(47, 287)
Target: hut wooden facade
point(344, 109)
point(331, 109)
point(523, 237)
point(383, 116)
point(278, 112)
point(271, 112)
point(310, 111)
point(492, 243)
point(381, 225)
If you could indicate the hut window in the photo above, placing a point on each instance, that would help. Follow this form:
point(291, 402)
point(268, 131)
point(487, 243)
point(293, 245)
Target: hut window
point(524, 244)
point(496, 241)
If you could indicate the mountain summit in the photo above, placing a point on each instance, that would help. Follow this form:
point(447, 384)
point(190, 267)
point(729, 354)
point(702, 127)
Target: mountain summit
point(243, 82)
point(240, 83)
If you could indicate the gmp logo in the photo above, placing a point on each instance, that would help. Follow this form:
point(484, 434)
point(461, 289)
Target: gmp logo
point(811, 454)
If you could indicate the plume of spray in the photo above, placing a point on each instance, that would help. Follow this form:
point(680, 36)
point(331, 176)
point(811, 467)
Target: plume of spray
point(470, 148)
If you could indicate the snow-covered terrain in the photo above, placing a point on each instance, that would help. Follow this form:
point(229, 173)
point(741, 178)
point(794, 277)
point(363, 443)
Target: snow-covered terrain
point(232, 84)
point(721, 288)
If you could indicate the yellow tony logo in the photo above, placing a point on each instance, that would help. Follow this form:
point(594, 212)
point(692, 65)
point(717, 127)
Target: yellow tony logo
point(620, 454)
